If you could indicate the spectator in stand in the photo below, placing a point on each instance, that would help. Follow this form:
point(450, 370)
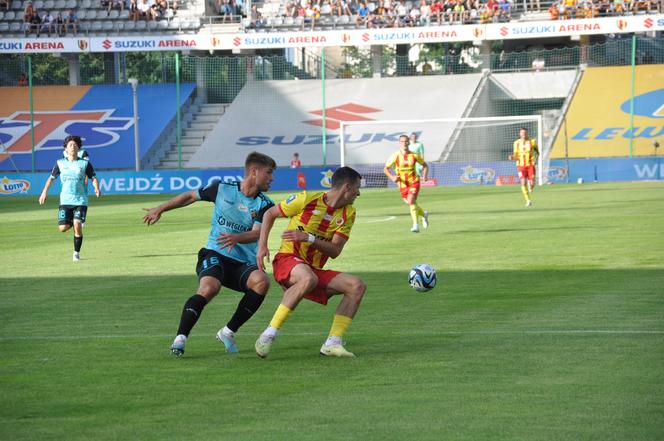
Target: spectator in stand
point(425, 13)
point(570, 8)
point(640, 5)
point(226, 11)
point(23, 80)
point(28, 13)
point(448, 8)
point(505, 7)
point(362, 14)
point(134, 13)
point(47, 24)
point(119, 4)
point(4, 4)
point(436, 11)
point(554, 12)
point(145, 10)
point(459, 12)
point(586, 9)
point(34, 24)
point(59, 24)
point(618, 7)
point(603, 8)
point(414, 16)
point(290, 9)
point(255, 17)
point(71, 22)
point(535, 5)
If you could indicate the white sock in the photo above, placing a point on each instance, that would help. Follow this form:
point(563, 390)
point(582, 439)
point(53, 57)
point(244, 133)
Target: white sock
point(181, 337)
point(227, 331)
point(332, 341)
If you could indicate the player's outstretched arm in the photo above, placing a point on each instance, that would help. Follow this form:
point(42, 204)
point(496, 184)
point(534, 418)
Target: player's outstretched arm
point(44, 193)
point(263, 252)
point(153, 215)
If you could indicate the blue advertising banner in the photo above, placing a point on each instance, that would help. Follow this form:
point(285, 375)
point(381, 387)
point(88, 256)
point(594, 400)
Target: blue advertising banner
point(319, 178)
point(157, 182)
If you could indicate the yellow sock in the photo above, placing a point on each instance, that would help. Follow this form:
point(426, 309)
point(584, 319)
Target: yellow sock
point(524, 190)
point(419, 210)
point(280, 316)
point(340, 325)
point(413, 213)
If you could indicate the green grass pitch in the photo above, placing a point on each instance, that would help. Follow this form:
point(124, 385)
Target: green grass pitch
point(547, 324)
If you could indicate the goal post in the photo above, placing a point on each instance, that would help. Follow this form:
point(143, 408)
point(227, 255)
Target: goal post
point(458, 150)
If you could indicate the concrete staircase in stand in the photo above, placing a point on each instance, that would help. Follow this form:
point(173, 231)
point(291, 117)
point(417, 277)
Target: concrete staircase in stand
point(193, 136)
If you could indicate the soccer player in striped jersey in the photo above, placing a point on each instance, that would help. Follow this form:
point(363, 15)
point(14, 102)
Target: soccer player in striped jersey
point(405, 166)
point(74, 172)
point(319, 227)
point(229, 257)
point(525, 154)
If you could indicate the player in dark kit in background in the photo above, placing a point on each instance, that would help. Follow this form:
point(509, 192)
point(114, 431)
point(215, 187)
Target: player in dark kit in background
point(229, 257)
point(74, 173)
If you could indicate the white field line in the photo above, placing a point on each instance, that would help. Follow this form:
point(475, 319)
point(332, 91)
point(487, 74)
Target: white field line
point(573, 332)
point(385, 219)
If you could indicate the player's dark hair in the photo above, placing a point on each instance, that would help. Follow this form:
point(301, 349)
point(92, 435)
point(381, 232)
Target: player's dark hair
point(344, 175)
point(76, 139)
point(260, 159)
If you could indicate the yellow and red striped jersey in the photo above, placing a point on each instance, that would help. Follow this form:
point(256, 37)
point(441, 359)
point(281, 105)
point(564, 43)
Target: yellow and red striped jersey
point(524, 152)
point(308, 212)
point(405, 167)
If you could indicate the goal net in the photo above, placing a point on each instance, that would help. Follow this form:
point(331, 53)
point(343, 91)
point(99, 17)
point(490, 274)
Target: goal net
point(459, 151)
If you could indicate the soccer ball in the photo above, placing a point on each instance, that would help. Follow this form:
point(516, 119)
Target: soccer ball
point(422, 277)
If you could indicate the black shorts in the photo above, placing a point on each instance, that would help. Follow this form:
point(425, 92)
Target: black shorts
point(230, 272)
point(67, 214)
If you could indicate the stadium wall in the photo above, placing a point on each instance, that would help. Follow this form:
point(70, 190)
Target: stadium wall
point(604, 130)
point(101, 115)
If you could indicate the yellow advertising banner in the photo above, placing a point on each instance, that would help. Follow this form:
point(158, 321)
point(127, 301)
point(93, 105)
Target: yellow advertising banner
point(598, 120)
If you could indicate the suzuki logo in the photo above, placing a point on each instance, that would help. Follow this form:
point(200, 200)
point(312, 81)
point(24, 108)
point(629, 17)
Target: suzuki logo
point(345, 112)
point(237, 41)
point(504, 31)
point(365, 37)
point(648, 23)
point(107, 44)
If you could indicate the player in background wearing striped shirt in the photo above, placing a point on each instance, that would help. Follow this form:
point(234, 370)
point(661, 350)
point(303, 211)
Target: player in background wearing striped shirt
point(404, 162)
point(319, 227)
point(525, 154)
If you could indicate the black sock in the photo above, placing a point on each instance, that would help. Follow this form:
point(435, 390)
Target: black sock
point(192, 310)
point(78, 241)
point(248, 305)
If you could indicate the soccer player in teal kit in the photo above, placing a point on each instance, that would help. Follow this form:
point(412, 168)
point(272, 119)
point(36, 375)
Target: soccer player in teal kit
point(73, 172)
point(229, 257)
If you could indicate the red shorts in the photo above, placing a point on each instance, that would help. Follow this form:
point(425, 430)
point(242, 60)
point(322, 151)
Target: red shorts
point(413, 189)
point(283, 264)
point(526, 172)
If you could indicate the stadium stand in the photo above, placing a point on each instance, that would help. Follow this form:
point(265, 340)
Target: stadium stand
point(96, 17)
